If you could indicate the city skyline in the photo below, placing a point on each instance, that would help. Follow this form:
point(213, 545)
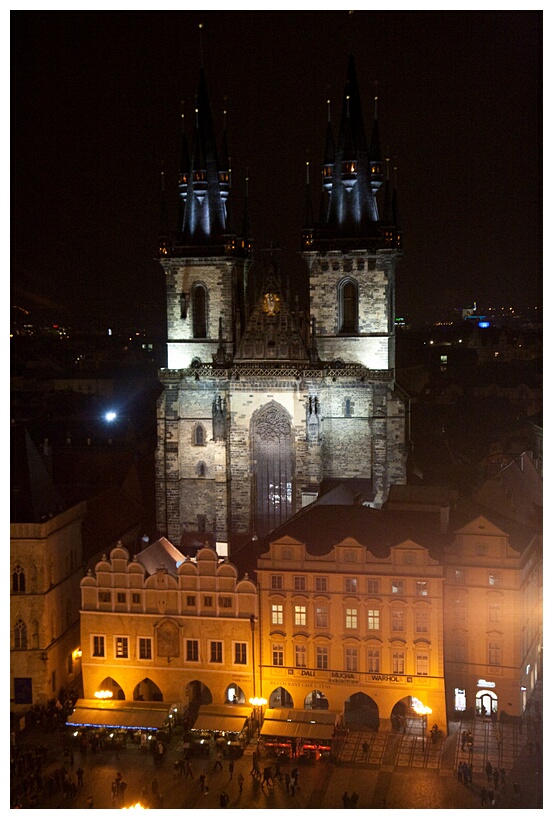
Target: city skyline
point(97, 115)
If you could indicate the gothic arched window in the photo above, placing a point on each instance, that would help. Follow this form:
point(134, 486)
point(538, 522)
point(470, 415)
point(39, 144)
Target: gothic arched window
point(199, 311)
point(348, 307)
point(199, 435)
point(273, 459)
point(18, 579)
point(20, 634)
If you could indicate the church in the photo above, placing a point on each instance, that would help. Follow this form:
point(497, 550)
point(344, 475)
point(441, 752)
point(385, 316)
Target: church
point(266, 406)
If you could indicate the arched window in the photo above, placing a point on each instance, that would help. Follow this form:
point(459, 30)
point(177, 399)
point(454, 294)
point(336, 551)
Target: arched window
point(20, 635)
point(199, 435)
point(18, 579)
point(199, 311)
point(348, 307)
point(272, 453)
point(201, 469)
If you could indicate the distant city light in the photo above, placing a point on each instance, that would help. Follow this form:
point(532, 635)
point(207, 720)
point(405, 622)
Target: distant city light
point(110, 416)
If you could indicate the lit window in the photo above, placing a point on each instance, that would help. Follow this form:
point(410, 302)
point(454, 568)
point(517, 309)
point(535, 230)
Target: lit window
point(398, 587)
point(216, 651)
point(321, 616)
point(351, 658)
point(300, 615)
point(277, 614)
point(98, 646)
point(373, 660)
point(494, 579)
point(373, 619)
point(351, 618)
point(240, 653)
point(144, 648)
point(276, 581)
point(278, 654)
point(301, 656)
point(321, 584)
point(192, 653)
point(322, 658)
point(299, 583)
point(351, 585)
point(398, 662)
point(421, 588)
point(122, 647)
point(421, 621)
point(398, 620)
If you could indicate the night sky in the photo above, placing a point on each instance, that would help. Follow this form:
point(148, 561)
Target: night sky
point(96, 114)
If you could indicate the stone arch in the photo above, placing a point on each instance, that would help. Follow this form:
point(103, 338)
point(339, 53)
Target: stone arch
point(316, 701)
point(348, 305)
point(234, 695)
point(148, 691)
point(109, 684)
point(199, 310)
point(273, 461)
point(361, 711)
point(280, 698)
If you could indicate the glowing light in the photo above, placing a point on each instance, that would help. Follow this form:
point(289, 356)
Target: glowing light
point(257, 701)
point(421, 709)
point(110, 416)
point(103, 695)
point(138, 806)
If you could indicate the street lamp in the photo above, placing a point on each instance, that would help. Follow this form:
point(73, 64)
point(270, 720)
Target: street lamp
point(258, 704)
point(423, 711)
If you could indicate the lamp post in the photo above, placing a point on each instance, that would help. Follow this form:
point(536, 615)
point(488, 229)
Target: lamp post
point(258, 705)
point(423, 711)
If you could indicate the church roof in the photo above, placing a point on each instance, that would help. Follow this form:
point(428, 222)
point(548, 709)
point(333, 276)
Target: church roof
point(161, 554)
point(33, 496)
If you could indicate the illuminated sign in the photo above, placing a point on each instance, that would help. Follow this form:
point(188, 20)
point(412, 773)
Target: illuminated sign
point(483, 324)
point(485, 684)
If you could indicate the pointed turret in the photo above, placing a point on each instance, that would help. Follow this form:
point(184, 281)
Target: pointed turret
point(224, 167)
point(386, 217)
point(395, 214)
point(375, 154)
point(330, 151)
point(164, 237)
point(309, 221)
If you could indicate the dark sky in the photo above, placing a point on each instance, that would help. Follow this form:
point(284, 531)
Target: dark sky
point(96, 104)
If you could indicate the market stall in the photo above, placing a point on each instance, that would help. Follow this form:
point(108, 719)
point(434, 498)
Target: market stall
point(114, 722)
point(303, 735)
point(224, 726)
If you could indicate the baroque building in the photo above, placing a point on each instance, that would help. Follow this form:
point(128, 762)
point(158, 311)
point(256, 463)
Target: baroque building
point(263, 402)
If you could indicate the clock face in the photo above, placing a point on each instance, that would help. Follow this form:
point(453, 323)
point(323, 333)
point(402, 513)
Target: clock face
point(271, 304)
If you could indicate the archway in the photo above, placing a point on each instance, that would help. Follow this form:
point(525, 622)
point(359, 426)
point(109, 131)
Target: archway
point(361, 711)
point(109, 684)
point(280, 698)
point(272, 453)
point(196, 694)
point(148, 691)
point(486, 703)
point(234, 695)
point(315, 700)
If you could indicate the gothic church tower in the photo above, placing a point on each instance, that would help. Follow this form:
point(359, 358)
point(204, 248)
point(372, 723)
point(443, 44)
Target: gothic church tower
point(263, 405)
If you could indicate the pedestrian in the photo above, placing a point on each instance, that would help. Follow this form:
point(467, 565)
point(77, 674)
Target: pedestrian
point(114, 790)
point(460, 772)
point(218, 761)
point(202, 781)
point(345, 799)
point(240, 781)
point(465, 773)
point(463, 740)
point(223, 799)
point(483, 796)
point(489, 771)
point(231, 768)
point(278, 774)
point(267, 776)
point(365, 749)
point(188, 771)
point(491, 797)
point(287, 782)
point(80, 774)
point(495, 778)
point(295, 775)
point(89, 802)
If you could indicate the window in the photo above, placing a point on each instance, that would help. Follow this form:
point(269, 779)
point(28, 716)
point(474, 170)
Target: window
point(348, 307)
point(347, 407)
point(121, 647)
point(423, 663)
point(300, 616)
point(208, 601)
point(351, 658)
point(398, 620)
point(299, 583)
point(321, 657)
point(121, 597)
point(192, 653)
point(199, 311)
point(373, 619)
point(278, 654)
point(459, 576)
point(460, 609)
point(373, 586)
point(494, 579)
point(98, 646)
point(301, 656)
point(199, 435)
point(276, 581)
point(398, 587)
point(216, 651)
point(18, 579)
point(494, 612)
point(225, 602)
point(136, 598)
point(321, 616)
point(351, 585)
point(144, 648)
point(421, 621)
point(190, 599)
point(373, 660)
point(104, 597)
point(494, 653)
point(421, 588)
point(240, 653)
point(277, 614)
point(20, 635)
point(351, 618)
point(398, 662)
point(321, 584)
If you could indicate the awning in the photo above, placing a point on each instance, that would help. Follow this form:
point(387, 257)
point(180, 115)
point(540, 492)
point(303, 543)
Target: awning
point(296, 730)
point(318, 716)
point(140, 716)
point(221, 718)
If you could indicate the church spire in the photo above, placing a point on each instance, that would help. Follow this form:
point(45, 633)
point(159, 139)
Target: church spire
point(309, 221)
